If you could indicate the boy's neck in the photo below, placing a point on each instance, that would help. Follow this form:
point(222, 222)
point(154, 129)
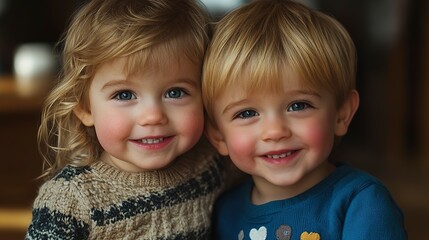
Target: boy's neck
point(264, 191)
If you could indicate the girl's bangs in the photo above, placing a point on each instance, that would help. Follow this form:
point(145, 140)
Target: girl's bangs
point(162, 55)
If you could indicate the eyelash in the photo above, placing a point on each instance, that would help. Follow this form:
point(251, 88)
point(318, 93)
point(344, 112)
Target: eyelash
point(182, 93)
point(241, 115)
point(119, 94)
point(302, 105)
point(294, 107)
point(130, 95)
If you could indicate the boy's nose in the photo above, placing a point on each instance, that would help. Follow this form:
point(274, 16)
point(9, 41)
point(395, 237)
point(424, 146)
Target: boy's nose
point(275, 129)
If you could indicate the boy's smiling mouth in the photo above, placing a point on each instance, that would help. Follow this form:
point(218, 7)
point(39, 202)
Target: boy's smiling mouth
point(280, 157)
point(283, 155)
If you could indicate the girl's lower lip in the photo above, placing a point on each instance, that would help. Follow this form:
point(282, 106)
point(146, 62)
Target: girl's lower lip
point(154, 145)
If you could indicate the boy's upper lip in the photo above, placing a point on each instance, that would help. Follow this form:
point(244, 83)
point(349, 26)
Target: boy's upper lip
point(279, 152)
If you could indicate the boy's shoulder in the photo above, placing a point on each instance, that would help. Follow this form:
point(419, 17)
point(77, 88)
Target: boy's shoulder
point(347, 177)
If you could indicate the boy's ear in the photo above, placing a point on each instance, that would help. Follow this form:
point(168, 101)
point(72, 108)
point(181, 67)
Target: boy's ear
point(216, 139)
point(84, 115)
point(346, 112)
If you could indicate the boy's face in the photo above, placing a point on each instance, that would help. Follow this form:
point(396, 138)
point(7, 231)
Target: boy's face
point(144, 121)
point(283, 139)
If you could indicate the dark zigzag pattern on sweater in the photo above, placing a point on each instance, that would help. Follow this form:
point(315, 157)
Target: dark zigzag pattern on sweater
point(47, 224)
point(57, 224)
point(70, 172)
point(204, 184)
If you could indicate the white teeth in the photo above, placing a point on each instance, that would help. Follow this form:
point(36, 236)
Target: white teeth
point(283, 155)
point(152, 140)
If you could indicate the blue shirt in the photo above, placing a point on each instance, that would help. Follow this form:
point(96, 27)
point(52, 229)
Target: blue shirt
point(348, 204)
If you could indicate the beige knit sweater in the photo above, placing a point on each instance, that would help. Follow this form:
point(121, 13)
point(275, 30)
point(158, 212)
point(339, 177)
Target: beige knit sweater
point(101, 202)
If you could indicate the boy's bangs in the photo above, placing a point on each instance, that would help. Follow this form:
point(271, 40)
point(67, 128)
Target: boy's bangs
point(258, 76)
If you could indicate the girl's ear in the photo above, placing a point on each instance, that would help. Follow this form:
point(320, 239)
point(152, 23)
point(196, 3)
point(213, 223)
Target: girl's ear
point(84, 115)
point(216, 139)
point(346, 112)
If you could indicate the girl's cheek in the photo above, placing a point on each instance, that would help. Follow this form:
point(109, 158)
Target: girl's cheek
point(112, 130)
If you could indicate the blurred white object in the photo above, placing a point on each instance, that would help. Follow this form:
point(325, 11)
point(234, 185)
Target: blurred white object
point(34, 66)
point(222, 6)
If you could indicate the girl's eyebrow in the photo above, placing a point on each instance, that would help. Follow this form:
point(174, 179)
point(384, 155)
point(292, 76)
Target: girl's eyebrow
point(190, 81)
point(121, 81)
point(113, 83)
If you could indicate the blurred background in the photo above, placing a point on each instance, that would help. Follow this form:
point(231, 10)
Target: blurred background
point(388, 138)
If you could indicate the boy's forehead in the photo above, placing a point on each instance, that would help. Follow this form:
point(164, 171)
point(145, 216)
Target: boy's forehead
point(248, 82)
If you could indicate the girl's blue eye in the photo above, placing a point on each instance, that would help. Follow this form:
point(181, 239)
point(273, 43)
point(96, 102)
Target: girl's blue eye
point(175, 93)
point(246, 114)
point(124, 95)
point(298, 106)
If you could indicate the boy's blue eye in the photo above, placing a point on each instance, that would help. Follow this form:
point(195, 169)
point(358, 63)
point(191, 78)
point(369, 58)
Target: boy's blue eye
point(175, 93)
point(246, 114)
point(124, 95)
point(298, 106)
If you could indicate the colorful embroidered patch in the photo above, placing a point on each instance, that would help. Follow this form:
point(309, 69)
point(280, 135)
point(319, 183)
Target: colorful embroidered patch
point(310, 236)
point(260, 234)
point(284, 232)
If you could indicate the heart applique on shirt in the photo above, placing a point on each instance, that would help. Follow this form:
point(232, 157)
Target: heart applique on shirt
point(260, 234)
point(310, 236)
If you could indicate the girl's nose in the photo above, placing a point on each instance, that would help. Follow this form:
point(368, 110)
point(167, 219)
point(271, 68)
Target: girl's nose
point(152, 113)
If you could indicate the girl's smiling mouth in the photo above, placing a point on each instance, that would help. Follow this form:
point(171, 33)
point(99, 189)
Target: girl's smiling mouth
point(152, 140)
point(154, 143)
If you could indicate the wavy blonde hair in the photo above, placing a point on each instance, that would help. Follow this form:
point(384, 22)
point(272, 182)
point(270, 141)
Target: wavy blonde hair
point(254, 43)
point(146, 32)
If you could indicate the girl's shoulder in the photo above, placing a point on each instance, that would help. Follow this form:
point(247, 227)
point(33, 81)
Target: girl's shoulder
point(64, 186)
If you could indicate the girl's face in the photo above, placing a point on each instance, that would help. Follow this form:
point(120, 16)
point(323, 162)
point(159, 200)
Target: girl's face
point(144, 121)
point(282, 139)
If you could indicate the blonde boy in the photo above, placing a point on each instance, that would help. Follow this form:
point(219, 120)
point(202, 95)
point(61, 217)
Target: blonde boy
point(279, 88)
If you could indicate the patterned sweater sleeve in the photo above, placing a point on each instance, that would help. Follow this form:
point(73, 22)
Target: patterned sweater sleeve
point(59, 212)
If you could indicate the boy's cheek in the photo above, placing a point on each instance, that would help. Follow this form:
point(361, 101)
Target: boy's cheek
point(240, 145)
point(317, 136)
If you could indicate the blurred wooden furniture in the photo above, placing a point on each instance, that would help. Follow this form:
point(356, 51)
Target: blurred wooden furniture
point(21, 163)
point(12, 102)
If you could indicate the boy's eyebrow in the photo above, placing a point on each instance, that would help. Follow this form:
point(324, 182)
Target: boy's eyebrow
point(232, 105)
point(308, 92)
point(300, 92)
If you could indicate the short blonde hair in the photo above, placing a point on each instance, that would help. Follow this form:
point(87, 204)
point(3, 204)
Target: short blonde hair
point(146, 32)
point(254, 43)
